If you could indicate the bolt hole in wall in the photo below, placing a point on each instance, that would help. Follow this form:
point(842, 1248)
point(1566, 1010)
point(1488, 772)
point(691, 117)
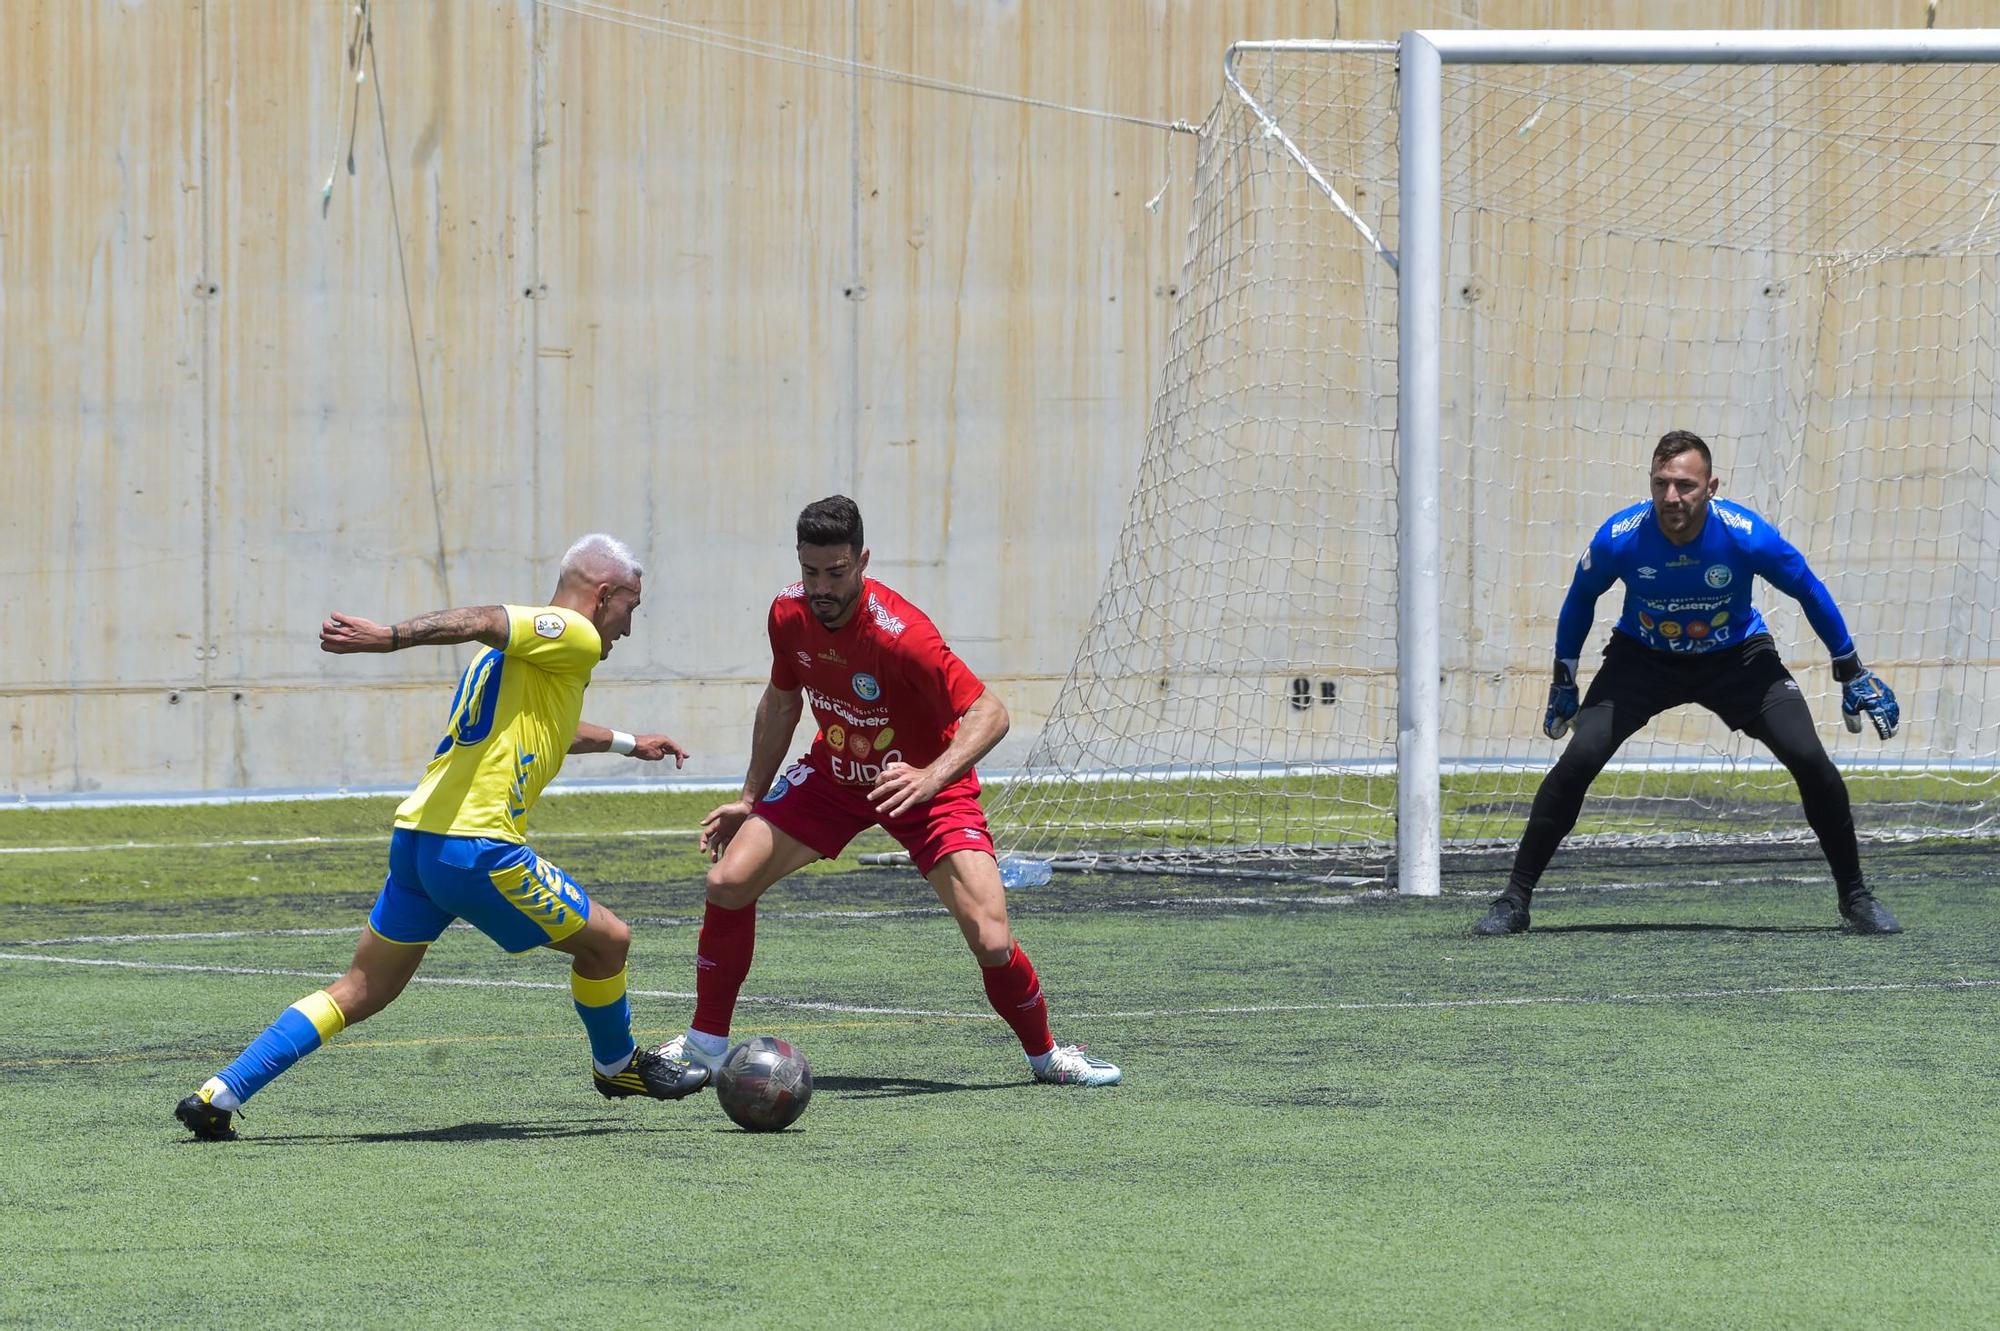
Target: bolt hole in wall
point(1302, 693)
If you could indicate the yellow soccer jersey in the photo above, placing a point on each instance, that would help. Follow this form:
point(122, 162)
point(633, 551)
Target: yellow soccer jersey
point(512, 721)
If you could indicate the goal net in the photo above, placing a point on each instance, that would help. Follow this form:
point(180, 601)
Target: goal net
point(1800, 263)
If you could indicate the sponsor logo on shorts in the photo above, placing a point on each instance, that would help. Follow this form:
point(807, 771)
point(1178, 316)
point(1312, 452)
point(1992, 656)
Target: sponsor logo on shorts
point(1718, 576)
point(550, 626)
point(1670, 628)
point(795, 775)
point(865, 687)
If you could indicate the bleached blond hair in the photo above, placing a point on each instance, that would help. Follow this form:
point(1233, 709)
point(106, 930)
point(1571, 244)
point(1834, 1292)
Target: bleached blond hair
point(599, 558)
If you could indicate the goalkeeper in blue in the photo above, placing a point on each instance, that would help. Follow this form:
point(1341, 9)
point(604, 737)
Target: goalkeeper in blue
point(1689, 634)
point(460, 848)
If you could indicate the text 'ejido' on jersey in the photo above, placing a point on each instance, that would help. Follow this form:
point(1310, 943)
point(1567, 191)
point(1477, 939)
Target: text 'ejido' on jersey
point(883, 687)
point(512, 722)
point(1693, 597)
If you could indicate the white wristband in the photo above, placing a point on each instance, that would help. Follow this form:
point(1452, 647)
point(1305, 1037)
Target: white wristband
point(623, 743)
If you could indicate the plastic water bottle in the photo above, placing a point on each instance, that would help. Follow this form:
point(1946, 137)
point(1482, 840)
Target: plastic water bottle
point(1017, 871)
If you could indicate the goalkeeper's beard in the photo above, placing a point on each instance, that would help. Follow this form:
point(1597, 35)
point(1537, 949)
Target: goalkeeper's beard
point(1677, 520)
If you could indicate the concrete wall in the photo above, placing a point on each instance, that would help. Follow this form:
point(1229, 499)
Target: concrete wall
point(655, 287)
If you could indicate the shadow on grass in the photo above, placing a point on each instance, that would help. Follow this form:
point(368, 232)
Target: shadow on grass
point(1638, 927)
point(461, 1132)
point(883, 1088)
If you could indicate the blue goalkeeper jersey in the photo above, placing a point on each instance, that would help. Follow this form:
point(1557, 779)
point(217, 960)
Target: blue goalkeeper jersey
point(1694, 597)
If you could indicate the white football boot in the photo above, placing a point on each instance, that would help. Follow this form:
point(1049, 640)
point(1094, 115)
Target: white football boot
point(1068, 1065)
point(680, 1049)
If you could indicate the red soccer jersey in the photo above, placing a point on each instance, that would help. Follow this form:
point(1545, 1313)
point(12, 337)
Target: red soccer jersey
point(884, 687)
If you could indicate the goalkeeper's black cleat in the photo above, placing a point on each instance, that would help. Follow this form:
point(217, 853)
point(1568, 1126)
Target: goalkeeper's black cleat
point(1507, 915)
point(1865, 915)
point(651, 1074)
point(204, 1120)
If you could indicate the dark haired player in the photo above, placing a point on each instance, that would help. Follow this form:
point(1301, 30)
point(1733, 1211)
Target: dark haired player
point(901, 723)
point(1689, 634)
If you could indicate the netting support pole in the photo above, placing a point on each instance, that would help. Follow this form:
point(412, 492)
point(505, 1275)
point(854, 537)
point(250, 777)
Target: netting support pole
point(1419, 302)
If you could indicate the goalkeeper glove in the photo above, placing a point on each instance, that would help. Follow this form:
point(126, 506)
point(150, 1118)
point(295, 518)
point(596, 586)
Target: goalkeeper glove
point(1862, 690)
point(1563, 701)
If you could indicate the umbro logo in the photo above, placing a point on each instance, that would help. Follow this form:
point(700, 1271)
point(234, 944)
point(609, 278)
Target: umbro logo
point(1648, 571)
point(1792, 684)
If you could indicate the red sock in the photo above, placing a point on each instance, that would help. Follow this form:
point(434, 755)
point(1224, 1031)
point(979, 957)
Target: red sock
point(1015, 992)
point(721, 960)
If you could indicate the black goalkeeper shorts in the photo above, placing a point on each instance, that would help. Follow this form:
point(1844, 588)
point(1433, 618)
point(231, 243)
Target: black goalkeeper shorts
point(1739, 684)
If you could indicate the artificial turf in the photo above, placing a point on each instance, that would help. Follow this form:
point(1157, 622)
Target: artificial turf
point(1682, 1099)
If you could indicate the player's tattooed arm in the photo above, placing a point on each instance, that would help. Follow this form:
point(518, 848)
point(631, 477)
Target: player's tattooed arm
point(472, 623)
point(345, 634)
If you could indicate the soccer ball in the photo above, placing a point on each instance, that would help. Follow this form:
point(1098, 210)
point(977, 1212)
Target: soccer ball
point(764, 1084)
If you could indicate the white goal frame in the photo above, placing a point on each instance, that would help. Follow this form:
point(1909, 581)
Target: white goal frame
point(1422, 56)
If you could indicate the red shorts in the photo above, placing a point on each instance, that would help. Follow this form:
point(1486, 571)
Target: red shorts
point(812, 808)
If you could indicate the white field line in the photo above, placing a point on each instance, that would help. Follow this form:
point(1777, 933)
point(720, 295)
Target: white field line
point(907, 912)
point(804, 1005)
point(668, 921)
point(344, 931)
point(1660, 883)
point(374, 838)
point(1533, 1000)
point(473, 983)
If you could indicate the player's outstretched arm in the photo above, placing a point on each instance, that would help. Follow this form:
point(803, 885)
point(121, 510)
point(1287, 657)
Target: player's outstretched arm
point(1862, 690)
point(347, 634)
point(770, 736)
point(592, 738)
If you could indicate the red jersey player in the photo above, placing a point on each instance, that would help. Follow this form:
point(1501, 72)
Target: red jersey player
point(901, 722)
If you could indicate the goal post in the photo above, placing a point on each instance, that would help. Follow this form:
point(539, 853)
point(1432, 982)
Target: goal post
point(1326, 632)
point(1422, 57)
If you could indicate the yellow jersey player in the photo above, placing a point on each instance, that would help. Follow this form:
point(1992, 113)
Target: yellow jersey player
point(459, 849)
